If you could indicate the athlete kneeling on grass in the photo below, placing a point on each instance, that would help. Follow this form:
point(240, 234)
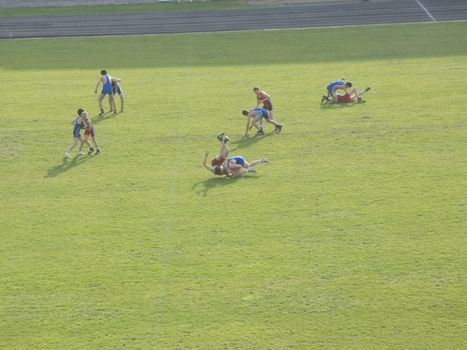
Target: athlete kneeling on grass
point(255, 118)
point(351, 94)
point(330, 86)
point(229, 166)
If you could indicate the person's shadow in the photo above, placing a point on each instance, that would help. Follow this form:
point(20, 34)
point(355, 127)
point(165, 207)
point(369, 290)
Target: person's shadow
point(107, 116)
point(248, 141)
point(203, 187)
point(68, 164)
point(325, 106)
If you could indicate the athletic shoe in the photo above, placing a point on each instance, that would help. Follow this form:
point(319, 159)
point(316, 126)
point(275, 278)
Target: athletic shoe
point(324, 99)
point(98, 151)
point(220, 137)
point(359, 100)
point(250, 170)
point(367, 88)
point(91, 150)
point(81, 153)
point(67, 155)
point(260, 132)
point(226, 139)
point(278, 128)
point(101, 113)
point(264, 160)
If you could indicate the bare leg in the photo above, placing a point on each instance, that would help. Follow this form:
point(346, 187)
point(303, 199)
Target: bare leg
point(272, 121)
point(278, 126)
point(224, 151)
point(258, 124)
point(95, 143)
point(234, 168)
point(255, 162)
point(240, 170)
point(99, 101)
point(112, 103)
point(122, 102)
point(73, 145)
point(84, 141)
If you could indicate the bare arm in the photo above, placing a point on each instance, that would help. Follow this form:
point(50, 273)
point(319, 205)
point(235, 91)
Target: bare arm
point(265, 96)
point(205, 162)
point(116, 80)
point(354, 91)
point(239, 172)
point(97, 85)
point(248, 127)
point(338, 87)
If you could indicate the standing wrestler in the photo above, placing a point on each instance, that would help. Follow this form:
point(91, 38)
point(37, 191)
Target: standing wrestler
point(117, 90)
point(262, 97)
point(88, 131)
point(78, 124)
point(106, 81)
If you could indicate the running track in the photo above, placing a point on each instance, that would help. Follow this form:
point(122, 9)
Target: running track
point(311, 15)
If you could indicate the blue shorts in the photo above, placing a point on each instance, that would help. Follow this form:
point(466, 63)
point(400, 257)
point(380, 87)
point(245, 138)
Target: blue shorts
point(238, 160)
point(106, 91)
point(117, 90)
point(263, 113)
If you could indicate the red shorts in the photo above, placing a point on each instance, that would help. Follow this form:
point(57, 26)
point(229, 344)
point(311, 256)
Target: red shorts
point(88, 132)
point(344, 98)
point(267, 105)
point(216, 161)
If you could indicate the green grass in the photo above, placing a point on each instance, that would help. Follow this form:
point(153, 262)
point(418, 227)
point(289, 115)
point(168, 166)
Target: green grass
point(134, 8)
point(353, 237)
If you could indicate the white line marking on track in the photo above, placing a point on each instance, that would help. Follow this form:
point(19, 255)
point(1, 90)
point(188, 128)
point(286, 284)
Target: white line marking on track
point(427, 12)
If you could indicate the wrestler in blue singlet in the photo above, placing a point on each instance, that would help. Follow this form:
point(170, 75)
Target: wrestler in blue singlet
point(334, 83)
point(77, 128)
point(260, 113)
point(238, 160)
point(107, 87)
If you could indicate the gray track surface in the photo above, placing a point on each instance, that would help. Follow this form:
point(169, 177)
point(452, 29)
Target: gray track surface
point(311, 15)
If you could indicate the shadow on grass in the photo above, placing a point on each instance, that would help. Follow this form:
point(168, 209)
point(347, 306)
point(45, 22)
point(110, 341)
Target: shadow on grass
point(67, 164)
point(107, 116)
point(248, 142)
point(336, 105)
point(203, 187)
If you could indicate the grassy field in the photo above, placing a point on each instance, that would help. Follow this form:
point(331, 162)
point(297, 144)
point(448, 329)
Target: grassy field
point(132, 8)
point(353, 237)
